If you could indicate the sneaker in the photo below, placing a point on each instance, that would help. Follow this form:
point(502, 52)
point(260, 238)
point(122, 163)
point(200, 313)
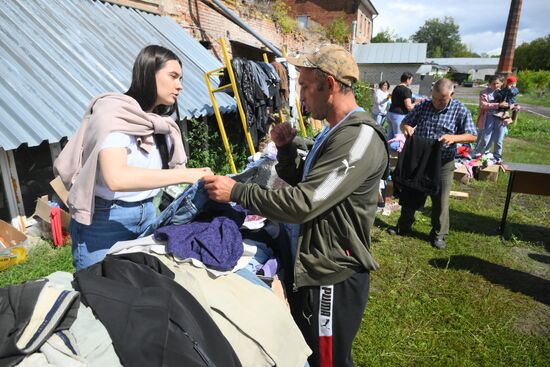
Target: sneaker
point(499, 161)
point(438, 243)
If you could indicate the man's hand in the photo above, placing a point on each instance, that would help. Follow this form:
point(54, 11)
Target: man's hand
point(282, 134)
point(219, 188)
point(503, 105)
point(447, 139)
point(407, 129)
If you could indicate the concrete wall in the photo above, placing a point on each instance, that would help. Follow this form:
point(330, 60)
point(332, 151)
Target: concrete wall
point(374, 73)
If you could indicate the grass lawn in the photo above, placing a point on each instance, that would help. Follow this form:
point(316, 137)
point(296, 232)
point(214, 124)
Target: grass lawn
point(482, 301)
point(533, 100)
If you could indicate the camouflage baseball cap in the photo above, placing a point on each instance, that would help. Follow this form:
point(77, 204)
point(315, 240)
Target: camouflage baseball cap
point(332, 59)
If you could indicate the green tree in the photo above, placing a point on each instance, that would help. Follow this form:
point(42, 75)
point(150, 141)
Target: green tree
point(464, 51)
point(387, 36)
point(534, 55)
point(442, 37)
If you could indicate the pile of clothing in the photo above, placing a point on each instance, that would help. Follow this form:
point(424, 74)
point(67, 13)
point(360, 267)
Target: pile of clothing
point(198, 288)
point(473, 163)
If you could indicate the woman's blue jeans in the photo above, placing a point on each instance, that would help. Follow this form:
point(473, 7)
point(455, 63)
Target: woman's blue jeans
point(493, 132)
point(113, 221)
point(379, 118)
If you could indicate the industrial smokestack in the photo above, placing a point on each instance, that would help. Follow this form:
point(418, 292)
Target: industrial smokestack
point(509, 44)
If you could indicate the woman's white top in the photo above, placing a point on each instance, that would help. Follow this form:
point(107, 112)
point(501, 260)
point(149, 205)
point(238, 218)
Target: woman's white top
point(381, 102)
point(136, 158)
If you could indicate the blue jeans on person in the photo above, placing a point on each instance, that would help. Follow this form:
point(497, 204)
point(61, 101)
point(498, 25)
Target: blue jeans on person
point(113, 221)
point(493, 132)
point(379, 118)
point(394, 120)
point(182, 210)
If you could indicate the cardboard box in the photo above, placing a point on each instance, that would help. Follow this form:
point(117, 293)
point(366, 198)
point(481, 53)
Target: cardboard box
point(12, 245)
point(489, 173)
point(60, 189)
point(461, 174)
point(43, 212)
point(11, 236)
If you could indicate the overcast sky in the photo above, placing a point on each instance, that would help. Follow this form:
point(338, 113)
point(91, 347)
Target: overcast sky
point(482, 22)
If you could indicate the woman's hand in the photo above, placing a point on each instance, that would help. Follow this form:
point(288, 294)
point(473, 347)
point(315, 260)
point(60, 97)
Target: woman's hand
point(192, 175)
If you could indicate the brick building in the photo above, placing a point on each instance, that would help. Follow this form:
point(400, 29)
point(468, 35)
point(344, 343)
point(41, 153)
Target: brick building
point(324, 12)
point(206, 23)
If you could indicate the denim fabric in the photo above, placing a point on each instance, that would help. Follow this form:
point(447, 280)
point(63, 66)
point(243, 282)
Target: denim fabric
point(183, 209)
point(493, 132)
point(293, 232)
point(379, 118)
point(251, 277)
point(263, 254)
point(394, 120)
point(113, 221)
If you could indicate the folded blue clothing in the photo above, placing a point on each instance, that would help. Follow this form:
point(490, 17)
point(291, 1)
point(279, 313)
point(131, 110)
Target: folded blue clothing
point(218, 244)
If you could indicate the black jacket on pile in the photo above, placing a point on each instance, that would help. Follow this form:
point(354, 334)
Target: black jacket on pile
point(152, 320)
point(418, 171)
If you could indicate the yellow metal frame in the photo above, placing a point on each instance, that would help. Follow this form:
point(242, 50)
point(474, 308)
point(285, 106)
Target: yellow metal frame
point(233, 85)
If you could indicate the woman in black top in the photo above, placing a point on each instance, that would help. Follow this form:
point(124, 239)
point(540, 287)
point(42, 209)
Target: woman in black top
point(401, 104)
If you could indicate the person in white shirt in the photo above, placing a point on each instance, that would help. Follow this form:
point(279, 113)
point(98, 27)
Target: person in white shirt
point(382, 98)
point(126, 148)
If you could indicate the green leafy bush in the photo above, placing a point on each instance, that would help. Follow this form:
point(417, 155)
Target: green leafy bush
point(206, 148)
point(363, 95)
point(286, 24)
point(536, 83)
point(338, 31)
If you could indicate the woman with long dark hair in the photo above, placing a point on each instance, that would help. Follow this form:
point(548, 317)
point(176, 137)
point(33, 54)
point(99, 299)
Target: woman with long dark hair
point(126, 148)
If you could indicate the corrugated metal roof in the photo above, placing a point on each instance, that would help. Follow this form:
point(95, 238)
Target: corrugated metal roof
point(390, 53)
point(56, 55)
point(465, 61)
point(466, 64)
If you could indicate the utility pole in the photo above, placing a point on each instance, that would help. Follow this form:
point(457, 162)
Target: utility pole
point(509, 44)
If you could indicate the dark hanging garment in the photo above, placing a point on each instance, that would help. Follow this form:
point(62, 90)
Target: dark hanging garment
point(273, 85)
point(417, 171)
point(152, 320)
point(283, 76)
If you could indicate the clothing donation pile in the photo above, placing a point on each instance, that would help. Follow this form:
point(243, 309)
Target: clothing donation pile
point(186, 293)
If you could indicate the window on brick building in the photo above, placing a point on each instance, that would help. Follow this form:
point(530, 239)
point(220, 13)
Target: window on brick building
point(302, 21)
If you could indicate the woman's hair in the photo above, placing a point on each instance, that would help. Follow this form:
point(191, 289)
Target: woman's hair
point(144, 85)
point(406, 76)
point(381, 84)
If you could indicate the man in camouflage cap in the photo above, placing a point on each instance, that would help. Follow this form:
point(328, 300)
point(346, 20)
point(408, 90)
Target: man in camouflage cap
point(333, 60)
point(331, 203)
